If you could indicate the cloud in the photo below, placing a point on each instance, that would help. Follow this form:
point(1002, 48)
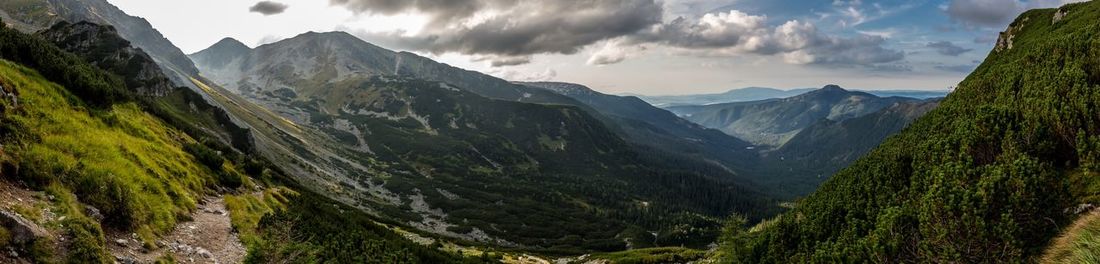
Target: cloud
point(995, 13)
point(501, 61)
point(512, 28)
point(268, 8)
point(947, 48)
point(737, 33)
point(509, 32)
point(517, 76)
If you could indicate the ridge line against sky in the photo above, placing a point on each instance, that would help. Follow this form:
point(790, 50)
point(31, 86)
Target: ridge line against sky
point(635, 46)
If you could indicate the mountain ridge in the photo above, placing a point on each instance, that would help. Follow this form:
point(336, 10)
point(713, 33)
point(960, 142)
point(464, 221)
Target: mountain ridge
point(774, 121)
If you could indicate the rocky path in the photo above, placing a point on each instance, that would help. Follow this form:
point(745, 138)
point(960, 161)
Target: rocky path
point(209, 238)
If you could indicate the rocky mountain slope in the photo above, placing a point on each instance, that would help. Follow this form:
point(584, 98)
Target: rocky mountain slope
point(771, 123)
point(660, 128)
point(819, 151)
point(35, 15)
point(990, 176)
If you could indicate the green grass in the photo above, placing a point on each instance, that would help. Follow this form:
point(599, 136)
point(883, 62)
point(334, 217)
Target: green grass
point(1080, 244)
point(118, 159)
point(652, 256)
point(246, 210)
point(86, 241)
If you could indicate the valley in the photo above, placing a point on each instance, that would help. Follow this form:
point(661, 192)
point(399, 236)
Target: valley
point(116, 146)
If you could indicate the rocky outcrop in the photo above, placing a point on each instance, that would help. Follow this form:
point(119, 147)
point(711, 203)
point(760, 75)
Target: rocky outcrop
point(22, 230)
point(1059, 15)
point(103, 47)
point(1004, 41)
point(8, 94)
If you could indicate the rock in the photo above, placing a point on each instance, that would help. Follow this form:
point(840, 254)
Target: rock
point(204, 253)
point(122, 242)
point(22, 230)
point(1058, 16)
point(125, 260)
point(93, 213)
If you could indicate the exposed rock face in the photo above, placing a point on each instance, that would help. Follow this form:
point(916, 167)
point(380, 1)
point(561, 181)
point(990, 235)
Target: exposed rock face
point(1058, 16)
point(7, 93)
point(22, 230)
point(103, 47)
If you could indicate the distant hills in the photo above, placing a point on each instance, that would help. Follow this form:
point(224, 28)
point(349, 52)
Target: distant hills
point(772, 122)
point(761, 93)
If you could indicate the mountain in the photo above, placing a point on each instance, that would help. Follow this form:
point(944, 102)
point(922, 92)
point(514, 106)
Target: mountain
point(659, 128)
point(314, 58)
point(760, 93)
point(493, 162)
point(775, 121)
point(822, 149)
point(735, 95)
point(91, 156)
point(1005, 164)
point(918, 94)
point(35, 15)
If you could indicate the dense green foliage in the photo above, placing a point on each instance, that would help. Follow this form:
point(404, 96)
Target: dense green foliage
point(651, 256)
point(983, 178)
point(314, 229)
point(83, 80)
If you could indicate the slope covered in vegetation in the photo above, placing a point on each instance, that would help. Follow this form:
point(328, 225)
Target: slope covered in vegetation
point(986, 177)
point(94, 145)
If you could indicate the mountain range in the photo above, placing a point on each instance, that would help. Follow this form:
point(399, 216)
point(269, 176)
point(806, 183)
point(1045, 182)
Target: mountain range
point(117, 147)
point(760, 93)
point(398, 130)
point(771, 123)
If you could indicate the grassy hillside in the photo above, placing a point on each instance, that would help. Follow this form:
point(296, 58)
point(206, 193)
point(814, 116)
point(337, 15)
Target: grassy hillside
point(88, 141)
point(986, 177)
point(119, 159)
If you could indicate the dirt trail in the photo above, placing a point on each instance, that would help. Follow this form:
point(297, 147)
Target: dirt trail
point(209, 238)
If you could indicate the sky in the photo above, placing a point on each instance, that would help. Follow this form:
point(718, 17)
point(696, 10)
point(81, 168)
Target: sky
point(652, 47)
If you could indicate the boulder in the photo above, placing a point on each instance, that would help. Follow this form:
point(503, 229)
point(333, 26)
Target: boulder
point(22, 230)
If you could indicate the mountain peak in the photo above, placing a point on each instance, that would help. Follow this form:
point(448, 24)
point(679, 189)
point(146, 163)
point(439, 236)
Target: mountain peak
point(833, 87)
point(229, 42)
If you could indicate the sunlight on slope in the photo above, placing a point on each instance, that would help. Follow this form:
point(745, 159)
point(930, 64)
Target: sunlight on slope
point(120, 160)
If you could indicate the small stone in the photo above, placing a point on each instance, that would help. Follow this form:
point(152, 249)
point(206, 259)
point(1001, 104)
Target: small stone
point(122, 242)
point(204, 253)
point(13, 254)
point(93, 213)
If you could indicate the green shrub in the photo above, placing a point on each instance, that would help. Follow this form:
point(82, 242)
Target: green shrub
point(5, 237)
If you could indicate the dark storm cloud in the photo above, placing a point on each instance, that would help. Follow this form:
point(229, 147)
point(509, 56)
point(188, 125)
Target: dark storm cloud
point(517, 28)
point(947, 48)
point(268, 8)
point(509, 32)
